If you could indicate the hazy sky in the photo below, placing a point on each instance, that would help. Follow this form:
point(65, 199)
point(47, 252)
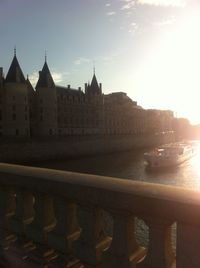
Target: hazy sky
point(146, 48)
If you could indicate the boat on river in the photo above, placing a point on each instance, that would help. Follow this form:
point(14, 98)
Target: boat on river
point(169, 155)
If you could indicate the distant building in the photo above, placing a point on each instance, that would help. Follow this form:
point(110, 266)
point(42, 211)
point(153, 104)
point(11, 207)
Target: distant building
point(53, 110)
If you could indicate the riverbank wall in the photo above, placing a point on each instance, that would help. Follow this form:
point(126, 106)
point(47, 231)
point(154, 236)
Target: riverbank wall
point(73, 147)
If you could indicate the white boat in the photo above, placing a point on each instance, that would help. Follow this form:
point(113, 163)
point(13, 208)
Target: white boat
point(169, 155)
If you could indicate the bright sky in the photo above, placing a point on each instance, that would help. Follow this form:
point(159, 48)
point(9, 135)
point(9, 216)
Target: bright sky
point(149, 49)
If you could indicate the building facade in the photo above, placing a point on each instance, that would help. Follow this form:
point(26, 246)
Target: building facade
point(53, 110)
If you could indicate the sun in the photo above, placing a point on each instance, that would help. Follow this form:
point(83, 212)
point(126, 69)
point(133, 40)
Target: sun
point(170, 77)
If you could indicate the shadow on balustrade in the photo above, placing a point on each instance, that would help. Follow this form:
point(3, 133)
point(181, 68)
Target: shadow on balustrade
point(42, 231)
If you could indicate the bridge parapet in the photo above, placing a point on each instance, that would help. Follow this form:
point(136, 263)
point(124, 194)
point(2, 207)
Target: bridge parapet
point(52, 218)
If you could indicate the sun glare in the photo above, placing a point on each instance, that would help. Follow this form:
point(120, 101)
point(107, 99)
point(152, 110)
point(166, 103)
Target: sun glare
point(194, 167)
point(172, 71)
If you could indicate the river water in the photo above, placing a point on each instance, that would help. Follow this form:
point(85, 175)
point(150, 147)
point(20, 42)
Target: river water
point(130, 165)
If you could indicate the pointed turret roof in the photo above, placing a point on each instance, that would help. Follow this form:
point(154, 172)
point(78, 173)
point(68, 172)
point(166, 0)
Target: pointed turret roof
point(45, 78)
point(15, 73)
point(94, 83)
point(94, 88)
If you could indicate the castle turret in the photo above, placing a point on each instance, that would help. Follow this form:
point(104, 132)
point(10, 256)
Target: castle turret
point(15, 74)
point(45, 79)
point(46, 103)
point(93, 94)
point(93, 89)
point(16, 112)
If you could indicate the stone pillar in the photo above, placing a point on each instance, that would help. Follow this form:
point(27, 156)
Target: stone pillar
point(124, 251)
point(22, 217)
point(7, 210)
point(159, 253)
point(65, 232)
point(23, 214)
point(37, 231)
point(93, 240)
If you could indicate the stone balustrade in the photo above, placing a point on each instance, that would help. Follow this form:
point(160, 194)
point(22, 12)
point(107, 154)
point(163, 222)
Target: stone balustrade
point(52, 218)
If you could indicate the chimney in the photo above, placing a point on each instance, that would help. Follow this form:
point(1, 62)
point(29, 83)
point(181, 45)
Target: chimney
point(68, 86)
point(100, 85)
point(79, 88)
point(86, 86)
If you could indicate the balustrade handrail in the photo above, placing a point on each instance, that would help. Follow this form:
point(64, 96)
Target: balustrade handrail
point(141, 198)
point(60, 215)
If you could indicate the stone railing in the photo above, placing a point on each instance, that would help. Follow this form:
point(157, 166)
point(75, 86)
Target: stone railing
point(51, 218)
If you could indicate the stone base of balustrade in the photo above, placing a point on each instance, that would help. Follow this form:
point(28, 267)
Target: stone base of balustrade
point(65, 262)
point(3, 260)
point(14, 258)
point(41, 256)
point(149, 265)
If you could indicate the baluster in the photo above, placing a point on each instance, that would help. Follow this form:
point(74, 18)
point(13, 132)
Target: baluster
point(7, 209)
point(23, 216)
point(159, 253)
point(124, 251)
point(23, 213)
point(65, 232)
point(92, 241)
point(37, 231)
point(188, 244)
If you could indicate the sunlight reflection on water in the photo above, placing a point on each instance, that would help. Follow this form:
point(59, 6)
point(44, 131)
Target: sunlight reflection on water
point(193, 166)
point(130, 165)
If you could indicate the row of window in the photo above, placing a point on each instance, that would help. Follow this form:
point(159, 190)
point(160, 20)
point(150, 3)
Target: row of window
point(17, 132)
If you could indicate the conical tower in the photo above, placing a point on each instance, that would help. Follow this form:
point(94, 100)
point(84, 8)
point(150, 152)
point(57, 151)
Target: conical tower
point(46, 103)
point(94, 88)
point(16, 117)
point(15, 74)
point(45, 78)
point(94, 96)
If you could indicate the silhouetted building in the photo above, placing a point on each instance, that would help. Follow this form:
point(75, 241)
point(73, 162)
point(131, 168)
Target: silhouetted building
point(53, 110)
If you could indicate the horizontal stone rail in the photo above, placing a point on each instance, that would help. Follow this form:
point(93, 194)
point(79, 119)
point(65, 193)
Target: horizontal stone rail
point(52, 218)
